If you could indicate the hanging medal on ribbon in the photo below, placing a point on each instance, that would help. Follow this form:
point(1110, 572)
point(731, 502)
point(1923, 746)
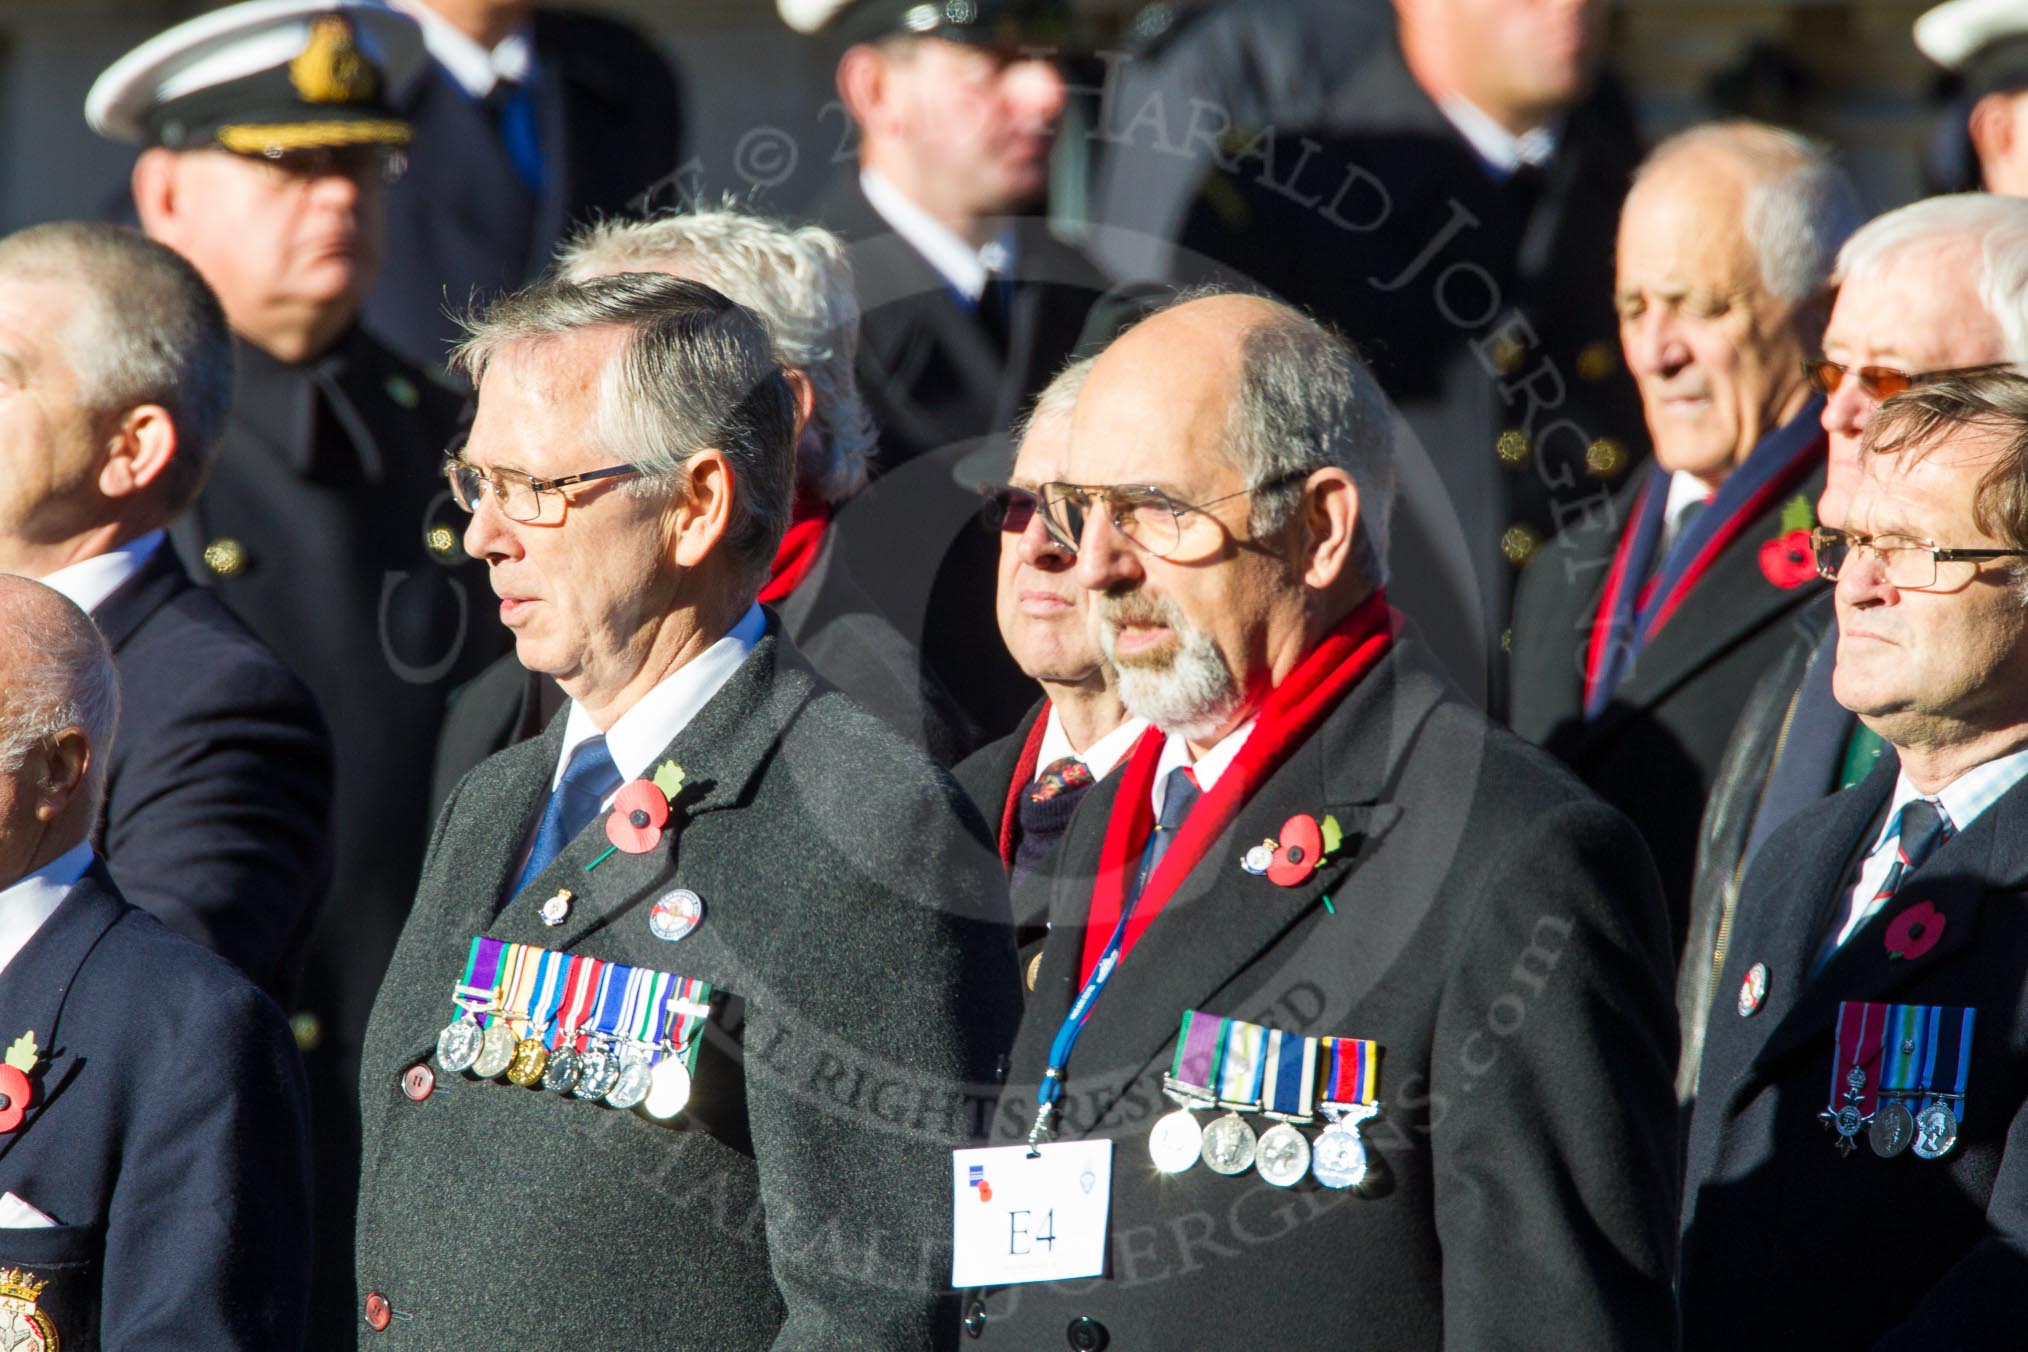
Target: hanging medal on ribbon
point(472, 1000)
point(1288, 1094)
point(580, 988)
point(1855, 1087)
point(637, 1012)
point(496, 1049)
point(1948, 1064)
point(600, 1067)
point(683, 1012)
point(1178, 1137)
point(1351, 1097)
point(531, 1051)
point(1903, 1048)
point(1229, 1143)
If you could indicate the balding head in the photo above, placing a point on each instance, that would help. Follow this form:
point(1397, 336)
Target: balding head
point(57, 716)
point(1202, 603)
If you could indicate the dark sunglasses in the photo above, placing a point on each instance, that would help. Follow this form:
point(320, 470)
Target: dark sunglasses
point(1004, 507)
point(1883, 382)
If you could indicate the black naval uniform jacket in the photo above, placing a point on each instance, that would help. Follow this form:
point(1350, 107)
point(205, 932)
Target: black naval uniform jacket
point(166, 1135)
point(1498, 931)
point(217, 818)
point(1655, 748)
point(855, 921)
point(1787, 1243)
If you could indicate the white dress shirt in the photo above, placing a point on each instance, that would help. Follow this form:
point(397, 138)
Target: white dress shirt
point(1962, 800)
point(475, 68)
point(24, 905)
point(1500, 150)
point(1686, 492)
point(1205, 769)
point(963, 267)
point(642, 732)
point(1099, 758)
point(90, 581)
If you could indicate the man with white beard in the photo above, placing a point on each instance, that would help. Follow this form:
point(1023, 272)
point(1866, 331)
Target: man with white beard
point(1322, 891)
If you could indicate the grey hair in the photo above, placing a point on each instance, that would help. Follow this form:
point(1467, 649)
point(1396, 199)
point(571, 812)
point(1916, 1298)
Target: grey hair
point(697, 371)
point(147, 330)
point(1056, 401)
point(60, 676)
point(1996, 228)
point(797, 279)
point(1800, 206)
point(1306, 402)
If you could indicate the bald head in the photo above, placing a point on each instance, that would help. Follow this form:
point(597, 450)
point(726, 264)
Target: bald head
point(56, 725)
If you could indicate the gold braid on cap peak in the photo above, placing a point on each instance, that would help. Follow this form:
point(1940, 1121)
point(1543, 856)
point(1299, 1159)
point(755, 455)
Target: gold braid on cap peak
point(275, 138)
point(330, 69)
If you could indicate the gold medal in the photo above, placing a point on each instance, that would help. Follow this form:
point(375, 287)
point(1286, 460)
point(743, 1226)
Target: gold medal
point(531, 1058)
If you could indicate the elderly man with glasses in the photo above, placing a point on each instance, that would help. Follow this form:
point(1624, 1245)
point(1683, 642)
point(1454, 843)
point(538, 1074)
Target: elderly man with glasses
point(1871, 1070)
point(1330, 957)
point(701, 986)
point(1933, 289)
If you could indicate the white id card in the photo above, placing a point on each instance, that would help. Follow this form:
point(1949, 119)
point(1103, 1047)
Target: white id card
point(1017, 1219)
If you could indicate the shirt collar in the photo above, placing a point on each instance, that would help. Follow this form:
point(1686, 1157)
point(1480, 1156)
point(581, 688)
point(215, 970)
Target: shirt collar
point(1500, 150)
point(474, 67)
point(25, 904)
point(1204, 769)
point(645, 731)
point(1686, 491)
point(960, 265)
point(88, 582)
point(1100, 757)
point(1963, 799)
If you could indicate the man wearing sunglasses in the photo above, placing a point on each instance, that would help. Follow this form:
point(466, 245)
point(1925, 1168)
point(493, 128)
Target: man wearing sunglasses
point(267, 144)
point(1869, 1069)
point(1320, 838)
point(1932, 289)
point(1029, 782)
point(706, 809)
point(1640, 632)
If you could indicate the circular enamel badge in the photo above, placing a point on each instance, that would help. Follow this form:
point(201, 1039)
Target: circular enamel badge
point(1753, 990)
point(675, 914)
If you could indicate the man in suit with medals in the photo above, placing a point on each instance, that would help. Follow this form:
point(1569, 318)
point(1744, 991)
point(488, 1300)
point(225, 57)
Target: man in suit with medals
point(154, 1150)
point(1865, 1064)
point(218, 791)
point(1640, 631)
point(1323, 892)
point(716, 970)
point(268, 145)
point(1028, 783)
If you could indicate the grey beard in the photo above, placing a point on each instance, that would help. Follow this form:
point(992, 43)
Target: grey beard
point(1191, 696)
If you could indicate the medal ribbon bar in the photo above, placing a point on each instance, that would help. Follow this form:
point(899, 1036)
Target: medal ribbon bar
point(1905, 1046)
point(1243, 1065)
point(1850, 1084)
point(1351, 1072)
point(1289, 1092)
point(1950, 1056)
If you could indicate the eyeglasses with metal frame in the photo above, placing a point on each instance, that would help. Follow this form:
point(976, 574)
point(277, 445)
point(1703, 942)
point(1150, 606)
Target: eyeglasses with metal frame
point(1884, 382)
point(1908, 563)
point(1004, 507)
point(521, 497)
point(1151, 519)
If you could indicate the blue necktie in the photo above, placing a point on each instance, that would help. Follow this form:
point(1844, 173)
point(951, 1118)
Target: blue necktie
point(512, 108)
point(1179, 793)
point(587, 779)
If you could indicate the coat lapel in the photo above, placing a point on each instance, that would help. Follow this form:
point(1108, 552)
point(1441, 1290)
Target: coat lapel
point(39, 981)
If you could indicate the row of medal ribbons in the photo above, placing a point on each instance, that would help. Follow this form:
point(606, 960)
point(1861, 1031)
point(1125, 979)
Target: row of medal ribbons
point(1899, 1077)
point(599, 1031)
point(1292, 1080)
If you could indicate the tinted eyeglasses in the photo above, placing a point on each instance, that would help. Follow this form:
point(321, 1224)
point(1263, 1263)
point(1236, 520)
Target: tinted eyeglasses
point(1884, 382)
point(1155, 522)
point(1003, 507)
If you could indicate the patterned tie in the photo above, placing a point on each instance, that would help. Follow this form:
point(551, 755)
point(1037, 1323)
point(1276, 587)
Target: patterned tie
point(1862, 752)
point(1044, 813)
point(1923, 827)
point(587, 779)
point(1179, 794)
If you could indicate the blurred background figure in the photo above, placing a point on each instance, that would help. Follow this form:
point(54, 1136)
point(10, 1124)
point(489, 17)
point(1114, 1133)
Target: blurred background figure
point(528, 119)
point(119, 373)
point(1981, 138)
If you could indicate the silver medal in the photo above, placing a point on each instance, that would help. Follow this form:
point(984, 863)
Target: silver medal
point(1338, 1159)
point(1891, 1130)
point(1175, 1142)
point(596, 1074)
point(1283, 1155)
point(1229, 1145)
point(635, 1079)
point(1936, 1131)
point(668, 1088)
point(458, 1045)
point(562, 1073)
point(496, 1051)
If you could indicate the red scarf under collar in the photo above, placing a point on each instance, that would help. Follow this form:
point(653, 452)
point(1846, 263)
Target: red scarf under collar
point(809, 520)
point(1293, 710)
point(1024, 771)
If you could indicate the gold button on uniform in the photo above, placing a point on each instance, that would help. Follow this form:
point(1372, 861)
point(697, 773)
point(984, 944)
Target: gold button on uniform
point(1506, 352)
point(440, 541)
point(1597, 360)
point(1604, 458)
point(1519, 543)
point(1512, 447)
point(225, 557)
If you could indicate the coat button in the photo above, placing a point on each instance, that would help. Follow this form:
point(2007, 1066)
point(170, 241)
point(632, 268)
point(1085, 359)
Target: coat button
point(379, 1314)
point(975, 1318)
point(1086, 1334)
point(225, 557)
point(418, 1082)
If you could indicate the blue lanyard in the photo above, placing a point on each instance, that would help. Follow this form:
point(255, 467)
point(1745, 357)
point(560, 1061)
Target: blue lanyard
point(1050, 1091)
